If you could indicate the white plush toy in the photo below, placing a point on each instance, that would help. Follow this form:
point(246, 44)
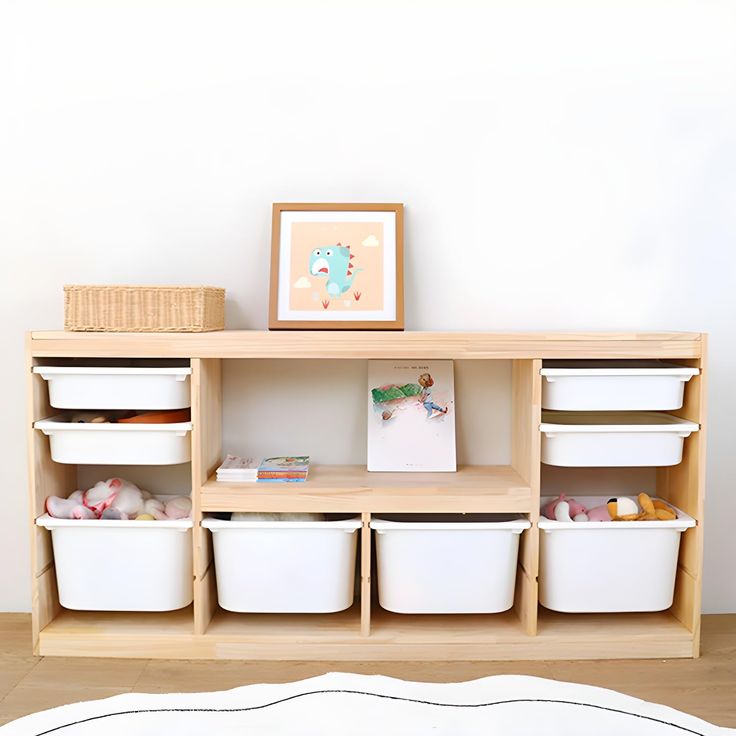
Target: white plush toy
point(267, 516)
point(121, 496)
point(117, 499)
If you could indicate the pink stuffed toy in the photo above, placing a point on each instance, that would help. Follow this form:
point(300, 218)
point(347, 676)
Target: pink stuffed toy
point(178, 508)
point(565, 509)
point(599, 513)
point(69, 508)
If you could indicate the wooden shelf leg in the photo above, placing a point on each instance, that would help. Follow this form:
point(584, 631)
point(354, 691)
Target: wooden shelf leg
point(684, 486)
point(206, 455)
point(45, 478)
point(526, 390)
point(365, 575)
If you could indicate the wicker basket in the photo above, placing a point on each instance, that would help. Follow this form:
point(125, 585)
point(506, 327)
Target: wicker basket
point(144, 308)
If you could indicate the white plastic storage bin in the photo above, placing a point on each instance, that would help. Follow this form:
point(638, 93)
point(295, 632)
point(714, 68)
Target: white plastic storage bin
point(285, 566)
point(117, 444)
point(613, 439)
point(122, 565)
point(608, 566)
point(117, 388)
point(616, 386)
point(447, 563)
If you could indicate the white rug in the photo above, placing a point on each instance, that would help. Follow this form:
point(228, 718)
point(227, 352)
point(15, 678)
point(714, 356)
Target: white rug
point(361, 705)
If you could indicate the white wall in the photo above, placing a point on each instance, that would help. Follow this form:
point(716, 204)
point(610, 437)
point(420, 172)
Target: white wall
point(564, 166)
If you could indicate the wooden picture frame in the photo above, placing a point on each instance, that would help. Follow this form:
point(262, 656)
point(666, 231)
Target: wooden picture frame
point(316, 284)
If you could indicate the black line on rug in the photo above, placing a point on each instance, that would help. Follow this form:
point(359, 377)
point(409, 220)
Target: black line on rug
point(372, 695)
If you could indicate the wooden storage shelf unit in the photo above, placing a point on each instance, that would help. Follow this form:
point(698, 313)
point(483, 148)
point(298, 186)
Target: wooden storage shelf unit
point(366, 632)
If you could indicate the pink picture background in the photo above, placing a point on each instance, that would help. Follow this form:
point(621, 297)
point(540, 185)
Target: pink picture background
point(307, 292)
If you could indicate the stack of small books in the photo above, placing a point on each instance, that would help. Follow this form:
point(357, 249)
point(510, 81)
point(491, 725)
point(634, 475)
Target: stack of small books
point(238, 469)
point(289, 469)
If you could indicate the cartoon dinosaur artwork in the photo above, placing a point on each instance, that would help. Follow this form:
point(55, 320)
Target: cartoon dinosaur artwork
point(334, 263)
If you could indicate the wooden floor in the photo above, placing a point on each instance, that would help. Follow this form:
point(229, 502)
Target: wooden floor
point(705, 687)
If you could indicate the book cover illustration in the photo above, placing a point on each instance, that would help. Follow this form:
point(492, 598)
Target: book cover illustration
point(287, 468)
point(411, 416)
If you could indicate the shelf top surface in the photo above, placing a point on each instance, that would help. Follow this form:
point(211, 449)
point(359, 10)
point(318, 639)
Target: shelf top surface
point(352, 488)
point(368, 344)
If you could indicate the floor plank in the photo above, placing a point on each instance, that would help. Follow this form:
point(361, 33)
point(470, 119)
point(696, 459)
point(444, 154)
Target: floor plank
point(24, 699)
point(13, 670)
point(162, 676)
point(705, 687)
point(84, 672)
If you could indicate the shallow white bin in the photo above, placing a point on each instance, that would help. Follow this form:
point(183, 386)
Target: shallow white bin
point(117, 444)
point(613, 439)
point(609, 566)
point(284, 566)
point(447, 563)
point(122, 565)
point(597, 385)
point(117, 388)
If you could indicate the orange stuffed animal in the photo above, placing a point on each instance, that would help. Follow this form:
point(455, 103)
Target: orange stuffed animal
point(650, 510)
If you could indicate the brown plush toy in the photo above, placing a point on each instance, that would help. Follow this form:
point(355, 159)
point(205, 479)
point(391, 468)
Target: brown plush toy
point(624, 509)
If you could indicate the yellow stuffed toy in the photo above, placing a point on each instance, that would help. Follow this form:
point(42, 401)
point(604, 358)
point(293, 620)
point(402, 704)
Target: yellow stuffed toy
point(622, 509)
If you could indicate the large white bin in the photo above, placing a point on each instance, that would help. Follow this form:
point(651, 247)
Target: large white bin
point(613, 439)
point(285, 566)
point(117, 444)
point(598, 385)
point(608, 566)
point(122, 565)
point(447, 563)
point(117, 388)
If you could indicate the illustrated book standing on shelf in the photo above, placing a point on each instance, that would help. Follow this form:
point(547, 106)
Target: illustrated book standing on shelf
point(411, 415)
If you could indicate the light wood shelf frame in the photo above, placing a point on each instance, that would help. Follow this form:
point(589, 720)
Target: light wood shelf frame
point(366, 632)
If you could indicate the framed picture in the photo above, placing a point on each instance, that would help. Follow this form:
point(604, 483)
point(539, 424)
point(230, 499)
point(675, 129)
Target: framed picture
point(337, 266)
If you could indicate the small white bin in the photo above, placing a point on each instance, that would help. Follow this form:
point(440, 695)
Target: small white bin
point(117, 444)
point(613, 439)
point(285, 566)
point(447, 563)
point(122, 565)
point(117, 388)
point(608, 566)
point(598, 385)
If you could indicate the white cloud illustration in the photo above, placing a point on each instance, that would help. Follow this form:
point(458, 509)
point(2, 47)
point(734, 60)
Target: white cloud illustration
point(371, 242)
point(303, 283)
